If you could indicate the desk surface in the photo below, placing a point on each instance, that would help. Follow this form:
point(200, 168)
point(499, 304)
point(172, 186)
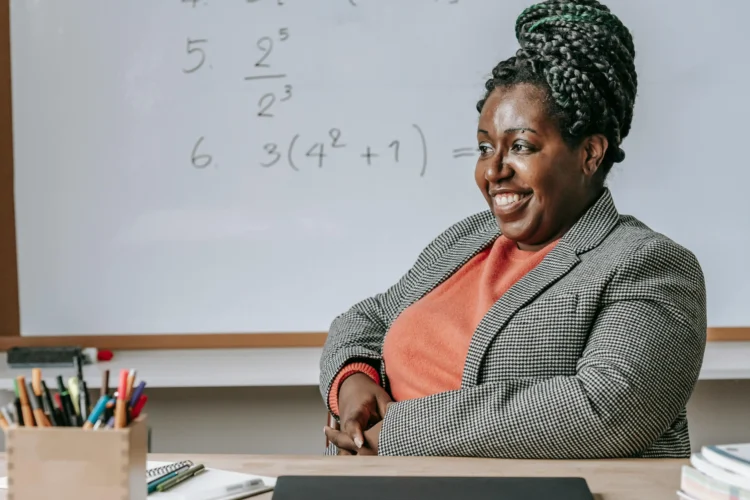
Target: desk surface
point(607, 479)
point(288, 367)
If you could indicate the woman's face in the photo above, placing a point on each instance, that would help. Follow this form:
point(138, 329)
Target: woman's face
point(536, 185)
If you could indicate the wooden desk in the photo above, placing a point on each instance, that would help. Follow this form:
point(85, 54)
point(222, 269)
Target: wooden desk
point(608, 479)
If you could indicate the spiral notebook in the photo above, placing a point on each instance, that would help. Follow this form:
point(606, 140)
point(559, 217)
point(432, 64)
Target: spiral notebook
point(212, 484)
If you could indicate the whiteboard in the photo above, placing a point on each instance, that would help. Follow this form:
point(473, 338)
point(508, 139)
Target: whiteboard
point(260, 165)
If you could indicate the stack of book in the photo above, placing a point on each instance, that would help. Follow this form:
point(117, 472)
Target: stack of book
point(717, 473)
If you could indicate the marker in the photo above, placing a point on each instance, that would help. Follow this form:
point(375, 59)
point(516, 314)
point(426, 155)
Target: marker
point(23, 396)
point(60, 413)
point(36, 408)
point(101, 405)
point(79, 366)
point(137, 393)
point(36, 381)
point(83, 394)
point(138, 407)
point(49, 408)
point(66, 404)
point(121, 411)
point(105, 384)
point(83, 400)
point(7, 416)
point(74, 393)
point(18, 412)
point(131, 381)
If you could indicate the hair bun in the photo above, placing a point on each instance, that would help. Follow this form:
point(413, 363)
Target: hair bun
point(587, 17)
point(586, 55)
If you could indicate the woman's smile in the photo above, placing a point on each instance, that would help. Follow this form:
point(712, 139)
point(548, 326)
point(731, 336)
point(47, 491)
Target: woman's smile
point(507, 203)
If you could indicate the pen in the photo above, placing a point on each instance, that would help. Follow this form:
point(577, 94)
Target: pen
point(28, 417)
point(36, 408)
point(49, 408)
point(105, 383)
point(182, 476)
point(121, 412)
point(101, 405)
point(156, 482)
point(66, 404)
point(242, 489)
point(4, 422)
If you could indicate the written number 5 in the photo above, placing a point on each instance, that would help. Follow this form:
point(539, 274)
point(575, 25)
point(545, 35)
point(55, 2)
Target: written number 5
point(192, 49)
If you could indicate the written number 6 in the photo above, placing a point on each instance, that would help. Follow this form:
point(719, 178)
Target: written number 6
point(200, 160)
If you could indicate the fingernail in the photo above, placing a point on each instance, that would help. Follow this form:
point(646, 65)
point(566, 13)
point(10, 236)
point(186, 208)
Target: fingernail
point(324, 429)
point(358, 442)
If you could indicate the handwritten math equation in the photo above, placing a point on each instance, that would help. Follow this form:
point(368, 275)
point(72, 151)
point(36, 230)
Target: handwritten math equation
point(273, 89)
point(303, 152)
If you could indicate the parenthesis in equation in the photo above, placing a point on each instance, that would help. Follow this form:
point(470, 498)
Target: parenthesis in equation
point(424, 149)
point(291, 150)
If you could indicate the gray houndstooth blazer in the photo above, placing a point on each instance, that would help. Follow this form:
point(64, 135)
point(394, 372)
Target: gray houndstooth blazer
point(593, 354)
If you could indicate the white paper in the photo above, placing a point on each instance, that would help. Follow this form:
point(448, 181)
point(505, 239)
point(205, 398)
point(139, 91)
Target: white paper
point(210, 480)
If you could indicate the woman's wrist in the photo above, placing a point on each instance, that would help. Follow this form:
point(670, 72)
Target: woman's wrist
point(346, 372)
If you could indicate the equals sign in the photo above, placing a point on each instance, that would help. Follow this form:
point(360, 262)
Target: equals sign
point(461, 152)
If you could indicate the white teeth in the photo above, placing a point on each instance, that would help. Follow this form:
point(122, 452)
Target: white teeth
point(506, 199)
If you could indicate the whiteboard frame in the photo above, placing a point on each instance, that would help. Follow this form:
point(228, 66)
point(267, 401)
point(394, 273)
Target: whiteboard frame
point(10, 324)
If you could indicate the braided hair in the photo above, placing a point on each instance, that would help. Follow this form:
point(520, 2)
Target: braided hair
point(583, 56)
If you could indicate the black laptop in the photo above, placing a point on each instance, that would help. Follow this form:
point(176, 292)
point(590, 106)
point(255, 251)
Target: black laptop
point(430, 488)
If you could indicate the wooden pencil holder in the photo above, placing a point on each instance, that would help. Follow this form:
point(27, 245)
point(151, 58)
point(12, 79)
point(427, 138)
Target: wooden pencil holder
point(68, 463)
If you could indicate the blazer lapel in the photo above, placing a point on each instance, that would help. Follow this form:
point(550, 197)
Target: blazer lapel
point(587, 233)
point(448, 263)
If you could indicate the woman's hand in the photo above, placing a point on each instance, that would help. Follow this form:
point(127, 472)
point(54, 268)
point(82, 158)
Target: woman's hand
point(362, 404)
point(344, 443)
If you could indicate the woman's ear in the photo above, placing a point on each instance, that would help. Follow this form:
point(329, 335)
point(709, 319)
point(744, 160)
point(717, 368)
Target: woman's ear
point(594, 148)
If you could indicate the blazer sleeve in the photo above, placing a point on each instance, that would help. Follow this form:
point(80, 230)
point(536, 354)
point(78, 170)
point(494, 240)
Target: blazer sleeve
point(636, 374)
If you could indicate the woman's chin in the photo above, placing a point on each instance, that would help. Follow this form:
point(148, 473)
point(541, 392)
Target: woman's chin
point(515, 230)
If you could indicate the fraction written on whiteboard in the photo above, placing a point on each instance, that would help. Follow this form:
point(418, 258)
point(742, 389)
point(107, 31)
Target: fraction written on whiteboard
point(299, 152)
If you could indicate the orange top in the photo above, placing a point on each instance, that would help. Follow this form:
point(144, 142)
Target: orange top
point(426, 347)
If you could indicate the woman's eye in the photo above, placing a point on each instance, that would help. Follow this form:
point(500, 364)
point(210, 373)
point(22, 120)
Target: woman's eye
point(485, 149)
point(520, 147)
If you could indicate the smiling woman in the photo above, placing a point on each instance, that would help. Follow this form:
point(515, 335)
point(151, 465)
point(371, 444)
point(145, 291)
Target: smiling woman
point(549, 326)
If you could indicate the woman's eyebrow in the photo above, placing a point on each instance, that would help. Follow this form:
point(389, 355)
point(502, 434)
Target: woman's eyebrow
point(510, 130)
point(521, 129)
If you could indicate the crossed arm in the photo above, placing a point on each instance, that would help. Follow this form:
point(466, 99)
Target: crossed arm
point(636, 374)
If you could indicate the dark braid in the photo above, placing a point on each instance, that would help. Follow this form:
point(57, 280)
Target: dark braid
point(583, 56)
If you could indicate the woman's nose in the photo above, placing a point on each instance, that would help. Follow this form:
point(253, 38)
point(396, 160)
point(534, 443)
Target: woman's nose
point(497, 169)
